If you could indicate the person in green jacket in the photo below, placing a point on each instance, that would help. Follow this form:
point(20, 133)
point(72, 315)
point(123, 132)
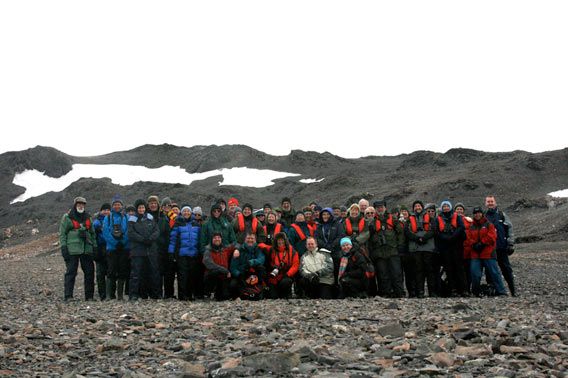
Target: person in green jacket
point(78, 245)
point(217, 224)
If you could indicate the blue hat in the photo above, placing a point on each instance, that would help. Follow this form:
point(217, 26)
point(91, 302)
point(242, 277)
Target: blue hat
point(345, 240)
point(117, 198)
point(446, 202)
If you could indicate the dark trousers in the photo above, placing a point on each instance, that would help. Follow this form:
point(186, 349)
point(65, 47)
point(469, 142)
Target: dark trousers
point(467, 269)
point(283, 289)
point(352, 287)
point(427, 270)
point(314, 289)
point(218, 284)
point(189, 274)
point(506, 269)
point(88, 268)
point(409, 268)
point(388, 273)
point(168, 270)
point(144, 277)
point(118, 264)
point(452, 259)
point(102, 270)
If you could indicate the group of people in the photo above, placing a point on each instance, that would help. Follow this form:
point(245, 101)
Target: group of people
point(316, 252)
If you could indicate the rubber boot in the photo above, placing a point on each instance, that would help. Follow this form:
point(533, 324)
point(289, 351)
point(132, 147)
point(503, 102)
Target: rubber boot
point(120, 290)
point(110, 288)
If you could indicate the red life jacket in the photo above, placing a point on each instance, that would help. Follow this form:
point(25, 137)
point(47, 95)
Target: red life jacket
point(349, 226)
point(277, 229)
point(241, 220)
point(299, 231)
point(414, 226)
point(442, 224)
point(77, 225)
point(312, 229)
point(390, 223)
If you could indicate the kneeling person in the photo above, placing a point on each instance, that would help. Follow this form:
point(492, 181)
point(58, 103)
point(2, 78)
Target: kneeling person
point(247, 270)
point(352, 269)
point(316, 271)
point(217, 260)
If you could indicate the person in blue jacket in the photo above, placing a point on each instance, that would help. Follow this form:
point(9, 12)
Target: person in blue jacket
point(184, 250)
point(115, 233)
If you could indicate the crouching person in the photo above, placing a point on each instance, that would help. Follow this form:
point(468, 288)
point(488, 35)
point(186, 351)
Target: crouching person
point(352, 271)
point(247, 270)
point(78, 244)
point(216, 260)
point(143, 232)
point(480, 243)
point(316, 271)
point(284, 264)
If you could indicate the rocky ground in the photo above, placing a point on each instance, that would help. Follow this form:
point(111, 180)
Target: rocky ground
point(523, 336)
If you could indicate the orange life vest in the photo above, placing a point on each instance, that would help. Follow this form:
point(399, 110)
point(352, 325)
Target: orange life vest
point(425, 222)
point(349, 226)
point(442, 224)
point(241, 220)
point(277, 229)
point(312, 229)
point(390, 223)
point(299, 231)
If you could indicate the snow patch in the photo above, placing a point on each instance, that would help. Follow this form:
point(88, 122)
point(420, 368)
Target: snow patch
point(311, 181)
point(37, 183)
point(559, 194)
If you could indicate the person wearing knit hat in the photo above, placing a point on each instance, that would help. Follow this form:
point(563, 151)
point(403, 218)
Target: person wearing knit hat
point(259, 214)
point(198, 215)
point(351, 271)
point(166, 201)
point(450, 235)
point(115, 233)
point(420, 231)
point(184, 251)
point(217, 223)
point(386, 241)
point(78, 241)
point(245, 223)
point(105, 206)
point(130, 210)
point(344, 214)
point(143, 232)
point(267, 208)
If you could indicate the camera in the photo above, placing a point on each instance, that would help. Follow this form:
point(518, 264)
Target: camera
point(274, 273)
point(117, 231)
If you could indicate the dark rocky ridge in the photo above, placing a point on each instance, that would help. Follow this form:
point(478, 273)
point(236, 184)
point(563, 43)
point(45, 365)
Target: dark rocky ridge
point(519, 179)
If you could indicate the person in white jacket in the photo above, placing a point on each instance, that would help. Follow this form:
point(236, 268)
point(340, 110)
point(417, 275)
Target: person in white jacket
point(316, 271)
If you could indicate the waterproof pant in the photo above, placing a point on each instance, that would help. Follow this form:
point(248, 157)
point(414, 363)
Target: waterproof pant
point(282, 289)
point(218, 284)
point(492, 269)
point(426, 271)
point(102, 270)
point(88, 268)
point(168, 270)
point(452, 259)
point(189, 269)
point(118, 262)
point(409, 268)
point(314, 289)
point(388, 272)
point(144, 277)
point(506, 269)
point(352, 287)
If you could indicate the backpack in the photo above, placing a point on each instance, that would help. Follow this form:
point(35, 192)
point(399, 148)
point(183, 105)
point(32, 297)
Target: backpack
point(252, 292)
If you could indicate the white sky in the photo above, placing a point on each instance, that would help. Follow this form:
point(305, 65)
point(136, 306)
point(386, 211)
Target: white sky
point(352, 77)
point(37, 183)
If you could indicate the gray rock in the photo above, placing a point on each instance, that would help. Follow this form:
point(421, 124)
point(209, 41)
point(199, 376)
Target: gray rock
point(277, 363)
point(394, 329)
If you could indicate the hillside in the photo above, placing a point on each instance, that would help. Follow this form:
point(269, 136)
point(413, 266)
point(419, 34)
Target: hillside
point(519, 179)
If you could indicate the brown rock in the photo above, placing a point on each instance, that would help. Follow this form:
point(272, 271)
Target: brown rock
point(231, 363)
point(443, 359)
point(474, 350)
point(402, 347)
point(512, 349)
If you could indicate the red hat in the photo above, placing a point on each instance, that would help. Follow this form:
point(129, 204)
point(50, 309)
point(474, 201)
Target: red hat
point(233, 201)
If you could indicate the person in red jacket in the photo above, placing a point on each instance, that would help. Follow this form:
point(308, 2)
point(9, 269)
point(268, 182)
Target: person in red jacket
point(284, 264)
point(480, 243)
point(217, 260)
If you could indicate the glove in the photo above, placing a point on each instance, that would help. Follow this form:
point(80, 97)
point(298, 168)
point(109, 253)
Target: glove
point(65, 254)
point(478, 247)
point(510, 249)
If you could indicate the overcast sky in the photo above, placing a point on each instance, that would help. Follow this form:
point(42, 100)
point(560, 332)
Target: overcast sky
point(353, 78)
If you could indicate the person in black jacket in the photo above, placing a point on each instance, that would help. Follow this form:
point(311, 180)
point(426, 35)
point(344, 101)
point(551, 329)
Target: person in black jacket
point(352, 268)
point(143, 233)
point(328, 234)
